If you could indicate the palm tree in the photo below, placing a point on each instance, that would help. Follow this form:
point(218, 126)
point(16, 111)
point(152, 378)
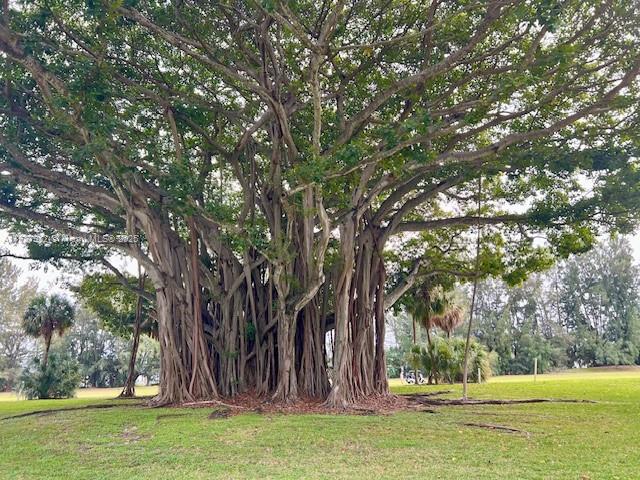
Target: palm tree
point(448, 321)
point(425, 307)
point(433, 308)
point(45, 316)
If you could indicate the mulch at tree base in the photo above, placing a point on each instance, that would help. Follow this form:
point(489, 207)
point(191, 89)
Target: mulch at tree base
point(246, 403)
point(374, 405)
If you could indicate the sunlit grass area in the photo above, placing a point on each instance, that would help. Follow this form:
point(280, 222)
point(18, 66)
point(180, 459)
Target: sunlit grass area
point(600, 373)
point(574, 374)
point(96, 393)
point(555, 440)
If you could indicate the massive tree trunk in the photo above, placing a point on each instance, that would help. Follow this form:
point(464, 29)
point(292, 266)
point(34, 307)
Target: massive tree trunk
point(309, 267)
point(185, 360)
point(342, 388)
point(287, 387)
point(368, 299)
point(264, 345)
point(312, 371)
point(228, 325)
point(180, 379)
point(359, 359)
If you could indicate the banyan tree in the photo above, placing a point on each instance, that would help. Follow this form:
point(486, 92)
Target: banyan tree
point(291, 168)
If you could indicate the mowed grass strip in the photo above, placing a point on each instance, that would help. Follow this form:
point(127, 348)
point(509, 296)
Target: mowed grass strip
point(557, 440)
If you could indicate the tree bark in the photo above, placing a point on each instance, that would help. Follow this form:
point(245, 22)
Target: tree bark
point(312, 372)
point(47, 346)
point(342, 393)
point(287, 387)
point(381, 385)
point(185, 363)
point(359, 359)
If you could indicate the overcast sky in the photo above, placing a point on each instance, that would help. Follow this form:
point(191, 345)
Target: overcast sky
point(51, 279)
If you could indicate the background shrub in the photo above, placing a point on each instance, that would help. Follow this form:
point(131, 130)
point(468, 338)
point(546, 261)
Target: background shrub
point(443, 360)
point(58, 379)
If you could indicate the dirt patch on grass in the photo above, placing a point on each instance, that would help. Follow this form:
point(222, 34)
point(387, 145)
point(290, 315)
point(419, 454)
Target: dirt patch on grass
point(222, 412)
point(612, 368)
point(131, 435)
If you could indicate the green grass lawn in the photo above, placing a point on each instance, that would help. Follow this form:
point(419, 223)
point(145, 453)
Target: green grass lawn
point(562, 440)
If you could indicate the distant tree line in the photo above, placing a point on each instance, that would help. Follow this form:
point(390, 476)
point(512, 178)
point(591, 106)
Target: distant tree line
point(583, 313)
point(15, 345)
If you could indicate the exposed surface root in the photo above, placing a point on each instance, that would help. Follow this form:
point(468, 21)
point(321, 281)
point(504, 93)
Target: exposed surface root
point(169, 415)
point(502, 428)
point(427, 410)
point(208, 403)
point(437, 393)
point(425, 400)
point(375, 405)
point(69, 409)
